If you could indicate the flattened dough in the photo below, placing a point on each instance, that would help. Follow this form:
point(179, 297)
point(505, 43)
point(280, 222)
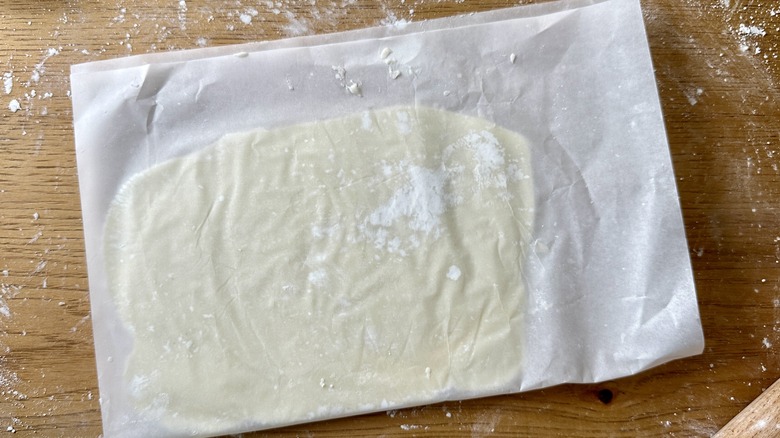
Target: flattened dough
point(321, 270)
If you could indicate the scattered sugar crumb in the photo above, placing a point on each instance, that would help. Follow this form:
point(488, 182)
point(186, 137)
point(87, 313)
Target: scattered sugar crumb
point(693, 94)
point(241, 55)
point(767, 343)
point(385, 53)
point(453, 273)
point(36, 216)
point(14, 105)
point(512, 58)
point(341, 72)
point(35, 237)
point(366, 122)
point(40, 267)
point(8, 82)
point(354, 89)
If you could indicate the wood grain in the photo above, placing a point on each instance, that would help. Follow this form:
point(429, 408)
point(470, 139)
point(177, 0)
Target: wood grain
point(719, 91)
point(761, 419)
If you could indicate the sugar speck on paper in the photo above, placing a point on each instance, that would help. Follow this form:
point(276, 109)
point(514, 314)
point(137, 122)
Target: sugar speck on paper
point(453, 273)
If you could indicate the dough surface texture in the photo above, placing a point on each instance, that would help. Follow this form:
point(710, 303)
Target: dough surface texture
point(320, 270)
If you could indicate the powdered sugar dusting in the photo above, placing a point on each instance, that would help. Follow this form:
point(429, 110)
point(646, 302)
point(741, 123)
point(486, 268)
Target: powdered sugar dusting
point(365, 121)
point(413, 427)
point(392, 20)
point(7, 292)
point(40, 67)
point(474, 163)
point(4, 310)
point(403, 123)
point(182, 15)
point(318, 277)
point(489, 156)
point(419, 203)
point(486, 423)
point(760, 424)
point(8, 380)
point(750, 26)
point(296, 26)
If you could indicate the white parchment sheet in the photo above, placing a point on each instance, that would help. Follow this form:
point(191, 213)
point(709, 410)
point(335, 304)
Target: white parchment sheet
point(609, 284)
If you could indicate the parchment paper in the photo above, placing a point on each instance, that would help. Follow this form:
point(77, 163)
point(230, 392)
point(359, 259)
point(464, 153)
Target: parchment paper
point(610, 288)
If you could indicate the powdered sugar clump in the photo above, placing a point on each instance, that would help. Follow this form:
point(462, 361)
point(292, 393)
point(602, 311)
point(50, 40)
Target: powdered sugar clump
point(14, 106)
point(751, 30)
point(246, 17)
point(421, 202)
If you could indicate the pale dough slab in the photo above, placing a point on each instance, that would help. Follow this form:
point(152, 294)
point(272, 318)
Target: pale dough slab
point(325, 269)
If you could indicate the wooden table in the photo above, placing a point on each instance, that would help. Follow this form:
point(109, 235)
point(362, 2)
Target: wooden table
point(718, 76)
